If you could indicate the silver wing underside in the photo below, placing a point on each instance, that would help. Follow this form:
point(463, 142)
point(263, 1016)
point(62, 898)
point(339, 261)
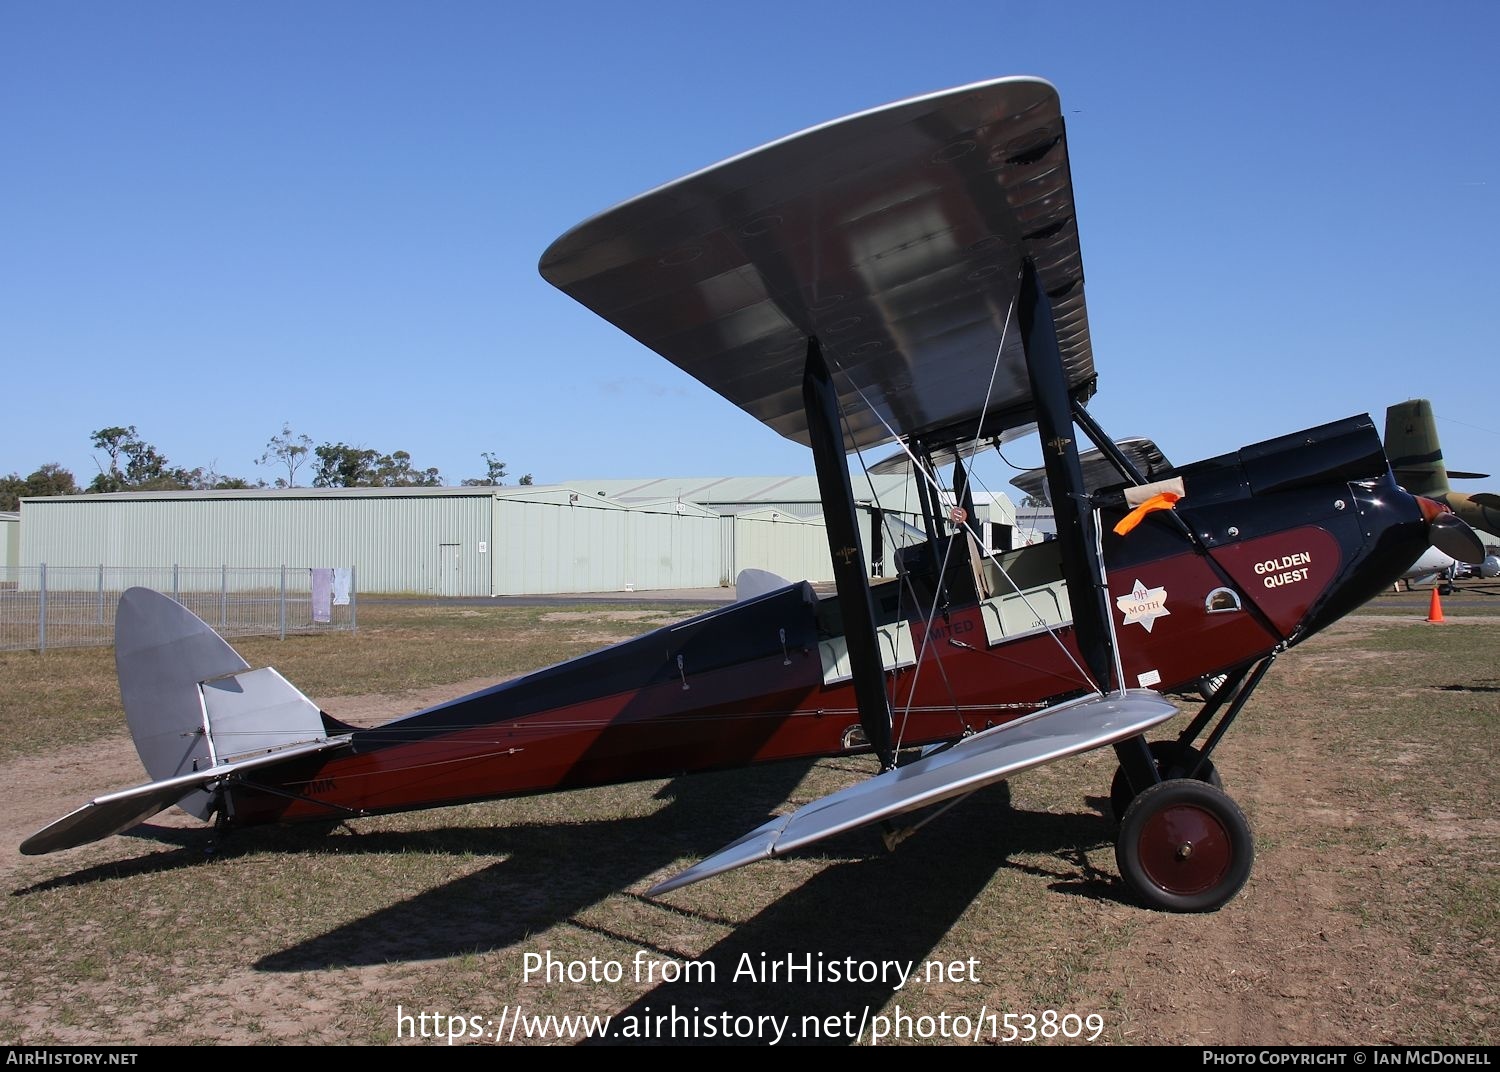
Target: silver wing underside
point(974, 762)
point(894, 236)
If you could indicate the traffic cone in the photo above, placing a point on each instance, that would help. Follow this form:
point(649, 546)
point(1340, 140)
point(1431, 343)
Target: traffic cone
point(1435, 609)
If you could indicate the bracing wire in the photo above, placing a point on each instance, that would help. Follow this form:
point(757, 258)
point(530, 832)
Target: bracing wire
point(911, 694)
point(922, 473)
point(905, 586)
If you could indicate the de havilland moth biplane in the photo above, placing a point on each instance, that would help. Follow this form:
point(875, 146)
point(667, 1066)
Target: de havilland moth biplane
point(910, 275)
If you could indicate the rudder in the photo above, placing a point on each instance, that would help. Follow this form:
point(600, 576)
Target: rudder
point(162, 652)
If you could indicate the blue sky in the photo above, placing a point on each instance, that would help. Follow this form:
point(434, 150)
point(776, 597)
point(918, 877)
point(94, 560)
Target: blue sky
point(218, 217)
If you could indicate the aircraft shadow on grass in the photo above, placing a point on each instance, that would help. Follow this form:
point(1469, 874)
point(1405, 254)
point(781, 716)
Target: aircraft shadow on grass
point(552, 873)
point(869, 906)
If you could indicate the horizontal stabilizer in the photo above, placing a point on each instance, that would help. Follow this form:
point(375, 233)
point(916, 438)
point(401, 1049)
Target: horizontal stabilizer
point(974, 762)
point(116, 812)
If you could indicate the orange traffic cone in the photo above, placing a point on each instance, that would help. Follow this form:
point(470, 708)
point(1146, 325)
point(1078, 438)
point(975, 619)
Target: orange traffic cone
point(1435, 608)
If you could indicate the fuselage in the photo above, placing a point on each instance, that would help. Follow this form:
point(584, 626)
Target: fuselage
point(1269, 545)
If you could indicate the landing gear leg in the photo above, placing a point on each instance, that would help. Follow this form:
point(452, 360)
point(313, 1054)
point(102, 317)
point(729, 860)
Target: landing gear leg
point(1172, 761)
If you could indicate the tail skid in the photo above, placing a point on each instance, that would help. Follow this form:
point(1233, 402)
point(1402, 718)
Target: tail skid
point(199, 715)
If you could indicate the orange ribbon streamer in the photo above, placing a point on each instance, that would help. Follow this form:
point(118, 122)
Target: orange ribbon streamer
point(1163, 501)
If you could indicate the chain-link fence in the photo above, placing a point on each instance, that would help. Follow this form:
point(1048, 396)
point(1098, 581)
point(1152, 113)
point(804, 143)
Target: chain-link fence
point(45, 607)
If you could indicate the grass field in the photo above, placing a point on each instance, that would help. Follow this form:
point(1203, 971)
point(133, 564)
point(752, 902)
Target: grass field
point(1365, 764)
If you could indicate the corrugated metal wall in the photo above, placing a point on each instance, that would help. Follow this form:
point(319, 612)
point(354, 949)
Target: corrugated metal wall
point(488, 541)
point(543, 547)
point(596, 546)
point(10, 539)
point(673, 550)
point(421, 544)
point(786, 546)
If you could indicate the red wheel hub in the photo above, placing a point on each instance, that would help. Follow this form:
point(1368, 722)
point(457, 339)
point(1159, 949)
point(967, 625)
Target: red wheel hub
point(1185, 849)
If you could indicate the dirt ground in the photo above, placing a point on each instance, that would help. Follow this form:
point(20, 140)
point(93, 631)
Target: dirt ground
point(1306, 955)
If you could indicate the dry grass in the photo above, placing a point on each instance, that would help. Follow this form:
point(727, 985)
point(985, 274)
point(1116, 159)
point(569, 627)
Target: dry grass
point(1470, 599)
point(1365, 765)
point(69, 696)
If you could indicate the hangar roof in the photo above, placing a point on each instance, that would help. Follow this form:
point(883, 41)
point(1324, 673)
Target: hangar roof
point(893, 491)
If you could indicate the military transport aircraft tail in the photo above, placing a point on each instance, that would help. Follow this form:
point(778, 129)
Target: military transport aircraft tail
point(1411, 442)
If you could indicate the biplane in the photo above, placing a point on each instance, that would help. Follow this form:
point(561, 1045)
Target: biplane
point(909, 275)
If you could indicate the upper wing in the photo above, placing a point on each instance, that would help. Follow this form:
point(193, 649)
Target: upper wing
point(894, 236)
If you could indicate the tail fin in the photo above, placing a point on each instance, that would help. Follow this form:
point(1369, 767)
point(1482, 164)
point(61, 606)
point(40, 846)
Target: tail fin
point(198, 714)
point(162, 652)
point(1411, 443)
point(757, 582)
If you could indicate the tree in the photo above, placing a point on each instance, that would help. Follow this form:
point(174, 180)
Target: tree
point(343, 466)
point(526, 481)
point(1034, 502)
point(144, 467)
point(113, 442)
point(49, 479)
point(396, 471)
point(287, 450)
point(211, 479)
point(493, 478)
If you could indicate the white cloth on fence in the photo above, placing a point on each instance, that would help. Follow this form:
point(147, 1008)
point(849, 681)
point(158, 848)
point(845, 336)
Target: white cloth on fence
point(343, 584)
point(322, 595)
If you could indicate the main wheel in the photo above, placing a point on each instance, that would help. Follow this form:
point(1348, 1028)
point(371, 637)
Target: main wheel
point(1184, 846)
point(1163, 752)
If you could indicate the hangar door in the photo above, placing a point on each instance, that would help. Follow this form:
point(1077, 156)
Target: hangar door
point(448, 570)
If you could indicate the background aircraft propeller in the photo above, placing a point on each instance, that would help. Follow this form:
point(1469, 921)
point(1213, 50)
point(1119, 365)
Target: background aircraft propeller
point(1450, 534)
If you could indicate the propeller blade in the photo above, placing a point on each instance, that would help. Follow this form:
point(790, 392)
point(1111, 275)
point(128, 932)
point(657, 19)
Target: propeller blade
point(1455, 539)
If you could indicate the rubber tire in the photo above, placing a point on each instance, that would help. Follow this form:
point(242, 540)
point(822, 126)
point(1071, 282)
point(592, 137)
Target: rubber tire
point(1223, 847)
point(1119, 789)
